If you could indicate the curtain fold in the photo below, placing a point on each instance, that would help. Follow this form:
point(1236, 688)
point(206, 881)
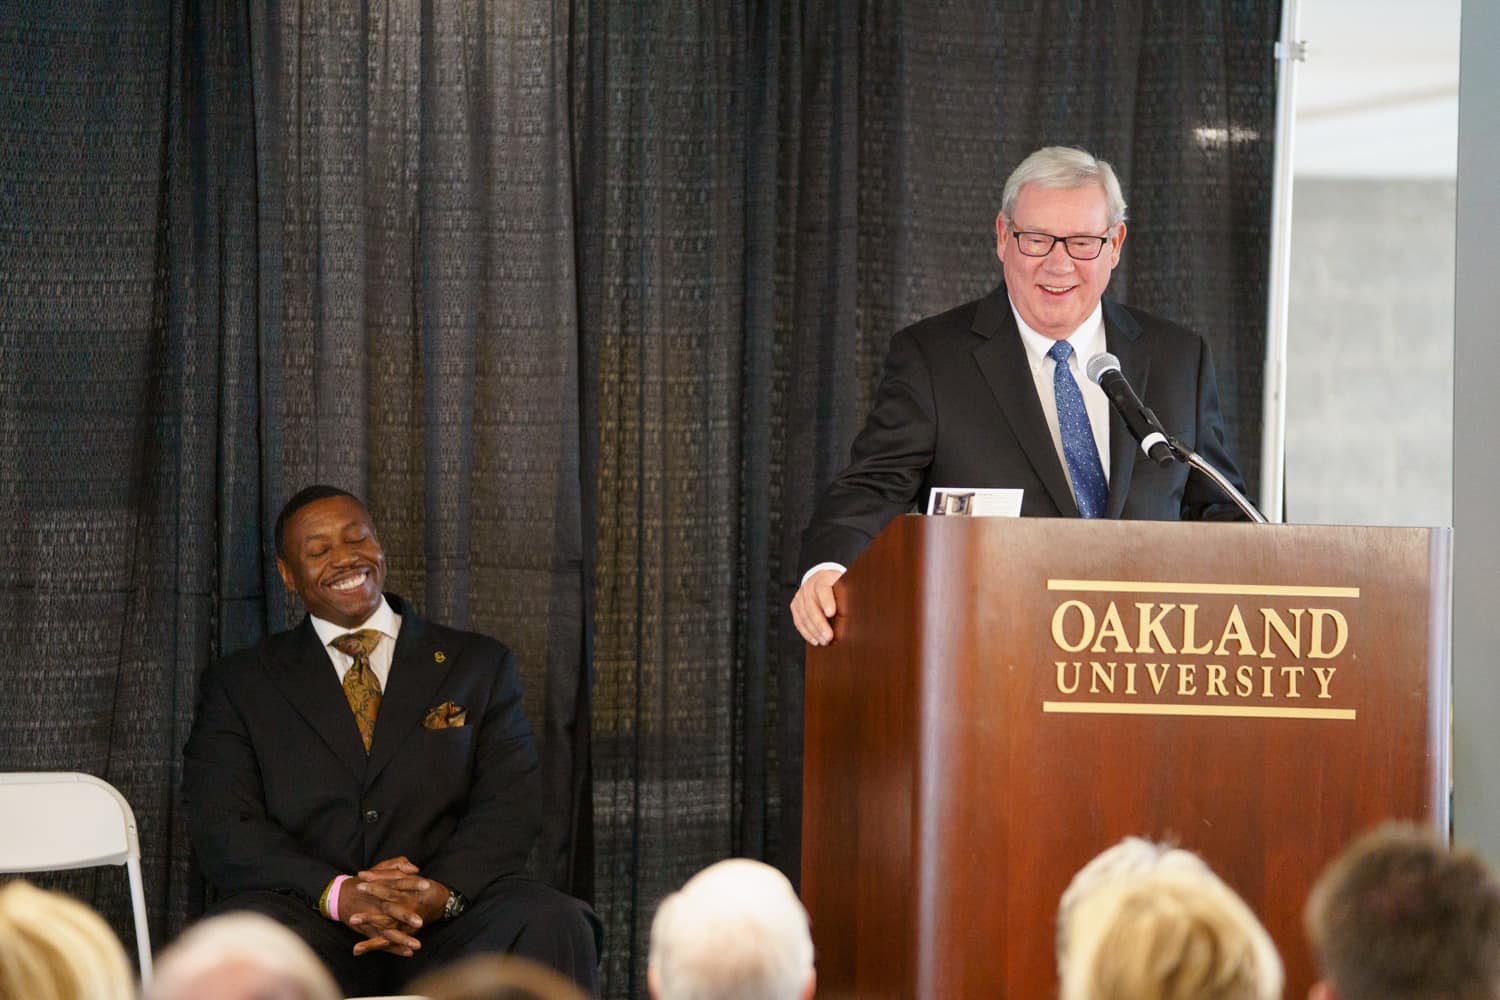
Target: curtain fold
point(586, 298)
point(661, 232)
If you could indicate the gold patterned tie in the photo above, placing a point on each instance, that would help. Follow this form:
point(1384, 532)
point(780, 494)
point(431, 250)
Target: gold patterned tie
point(361, 686)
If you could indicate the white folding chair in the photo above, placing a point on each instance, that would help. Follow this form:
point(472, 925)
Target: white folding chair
point(56, 820)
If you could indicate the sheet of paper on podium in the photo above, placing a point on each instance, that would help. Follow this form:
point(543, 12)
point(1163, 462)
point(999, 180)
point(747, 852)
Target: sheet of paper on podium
point(967, 501)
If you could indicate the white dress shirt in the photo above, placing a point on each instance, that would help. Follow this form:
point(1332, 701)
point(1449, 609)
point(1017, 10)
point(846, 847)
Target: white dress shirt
point(384, 620)
point(1087, 341)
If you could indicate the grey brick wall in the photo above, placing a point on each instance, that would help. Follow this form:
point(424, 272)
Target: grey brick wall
point(1370, 353)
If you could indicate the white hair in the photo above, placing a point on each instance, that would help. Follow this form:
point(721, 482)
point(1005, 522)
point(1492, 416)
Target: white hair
point(1169, 935)
point(242, 955)
point(735, 931)
point(1064, 167)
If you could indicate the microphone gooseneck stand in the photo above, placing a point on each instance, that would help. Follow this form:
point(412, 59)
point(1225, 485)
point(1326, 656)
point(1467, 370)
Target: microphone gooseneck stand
point(1197, 461)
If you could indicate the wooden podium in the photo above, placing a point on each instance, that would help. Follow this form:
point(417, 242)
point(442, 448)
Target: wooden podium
point(1005, 698)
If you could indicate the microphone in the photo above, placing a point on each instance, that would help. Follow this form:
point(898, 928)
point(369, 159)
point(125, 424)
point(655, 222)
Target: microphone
point(1104, 371)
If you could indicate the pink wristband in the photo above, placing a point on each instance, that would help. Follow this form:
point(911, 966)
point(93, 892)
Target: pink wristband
point(333, 895)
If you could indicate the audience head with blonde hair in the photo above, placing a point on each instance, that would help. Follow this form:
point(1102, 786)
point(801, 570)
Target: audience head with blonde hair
point(1131, 857)
point(735, 931)
point(1400, 916)
point(241, 956)
point(1168, 935)
point(52, 947)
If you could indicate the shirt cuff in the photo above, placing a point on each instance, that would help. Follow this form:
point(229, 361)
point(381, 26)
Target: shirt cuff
point(820, 567)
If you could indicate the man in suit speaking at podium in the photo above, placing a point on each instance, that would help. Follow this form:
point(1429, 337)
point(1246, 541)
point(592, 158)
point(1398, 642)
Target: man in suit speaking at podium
point(369, 777)
point(994, 393)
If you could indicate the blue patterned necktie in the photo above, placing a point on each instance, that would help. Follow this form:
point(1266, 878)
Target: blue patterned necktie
point(1089, 487)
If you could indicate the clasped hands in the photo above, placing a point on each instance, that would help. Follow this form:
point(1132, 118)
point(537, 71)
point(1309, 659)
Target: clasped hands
point(390, 902)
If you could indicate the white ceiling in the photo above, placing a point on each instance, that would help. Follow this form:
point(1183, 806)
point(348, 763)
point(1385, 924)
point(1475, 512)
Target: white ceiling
point(1378, 94)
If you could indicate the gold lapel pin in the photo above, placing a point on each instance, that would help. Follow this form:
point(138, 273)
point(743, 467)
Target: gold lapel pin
point(438, 657)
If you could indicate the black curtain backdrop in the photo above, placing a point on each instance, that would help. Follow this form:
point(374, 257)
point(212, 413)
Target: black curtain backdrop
point(587, 299)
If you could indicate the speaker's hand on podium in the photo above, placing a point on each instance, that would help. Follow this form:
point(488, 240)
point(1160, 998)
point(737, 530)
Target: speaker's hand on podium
point(813, 605)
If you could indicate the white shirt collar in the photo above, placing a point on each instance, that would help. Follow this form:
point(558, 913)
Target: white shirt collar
point(1087, 340)
point(384, 620)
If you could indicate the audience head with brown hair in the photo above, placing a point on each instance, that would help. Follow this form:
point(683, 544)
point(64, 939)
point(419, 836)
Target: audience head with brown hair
point(1167, 934)
point(735, 931)
point(1400, 916)
point(241, 956)
point(52, 947)
point(496, 977)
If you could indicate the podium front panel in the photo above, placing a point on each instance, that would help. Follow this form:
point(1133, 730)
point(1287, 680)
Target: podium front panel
point(1006, 698)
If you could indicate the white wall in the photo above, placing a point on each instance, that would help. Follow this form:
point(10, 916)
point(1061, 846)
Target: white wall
point(1370, 327)
point(1476, 488)
point(1370, 352)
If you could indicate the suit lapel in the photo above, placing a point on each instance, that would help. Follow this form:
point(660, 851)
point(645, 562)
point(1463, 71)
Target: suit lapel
point(417, 671)
point(300, 667)
point(1122, 337)
point(1001, 358)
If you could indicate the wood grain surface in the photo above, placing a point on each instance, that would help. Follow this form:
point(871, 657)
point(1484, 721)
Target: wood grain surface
point(956, 778)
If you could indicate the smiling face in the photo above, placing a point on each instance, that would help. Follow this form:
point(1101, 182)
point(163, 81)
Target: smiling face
point(1055, 294)
point(333, 560)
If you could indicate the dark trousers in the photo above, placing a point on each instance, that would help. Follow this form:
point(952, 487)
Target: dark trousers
point(513, 916)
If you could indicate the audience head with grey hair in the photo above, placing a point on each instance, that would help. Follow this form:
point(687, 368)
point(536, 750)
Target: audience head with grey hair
point(1401, 916)
point(52, 947)
point(241, 956)
point(1168, 935)
point(1131, 857)
point(735, 931)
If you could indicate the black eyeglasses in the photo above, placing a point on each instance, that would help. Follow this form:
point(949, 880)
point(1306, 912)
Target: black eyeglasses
point(1078, 247)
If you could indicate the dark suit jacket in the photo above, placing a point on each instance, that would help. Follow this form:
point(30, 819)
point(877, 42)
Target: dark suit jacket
point(957, 406)
point(280, 794)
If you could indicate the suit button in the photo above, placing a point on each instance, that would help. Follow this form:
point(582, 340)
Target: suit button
point(372, 815)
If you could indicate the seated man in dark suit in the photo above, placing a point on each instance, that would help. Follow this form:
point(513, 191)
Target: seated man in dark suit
point(994, 394)
point(369, 778)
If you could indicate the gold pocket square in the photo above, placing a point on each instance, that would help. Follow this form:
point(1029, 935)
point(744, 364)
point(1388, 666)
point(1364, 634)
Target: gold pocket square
point(445, 716)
